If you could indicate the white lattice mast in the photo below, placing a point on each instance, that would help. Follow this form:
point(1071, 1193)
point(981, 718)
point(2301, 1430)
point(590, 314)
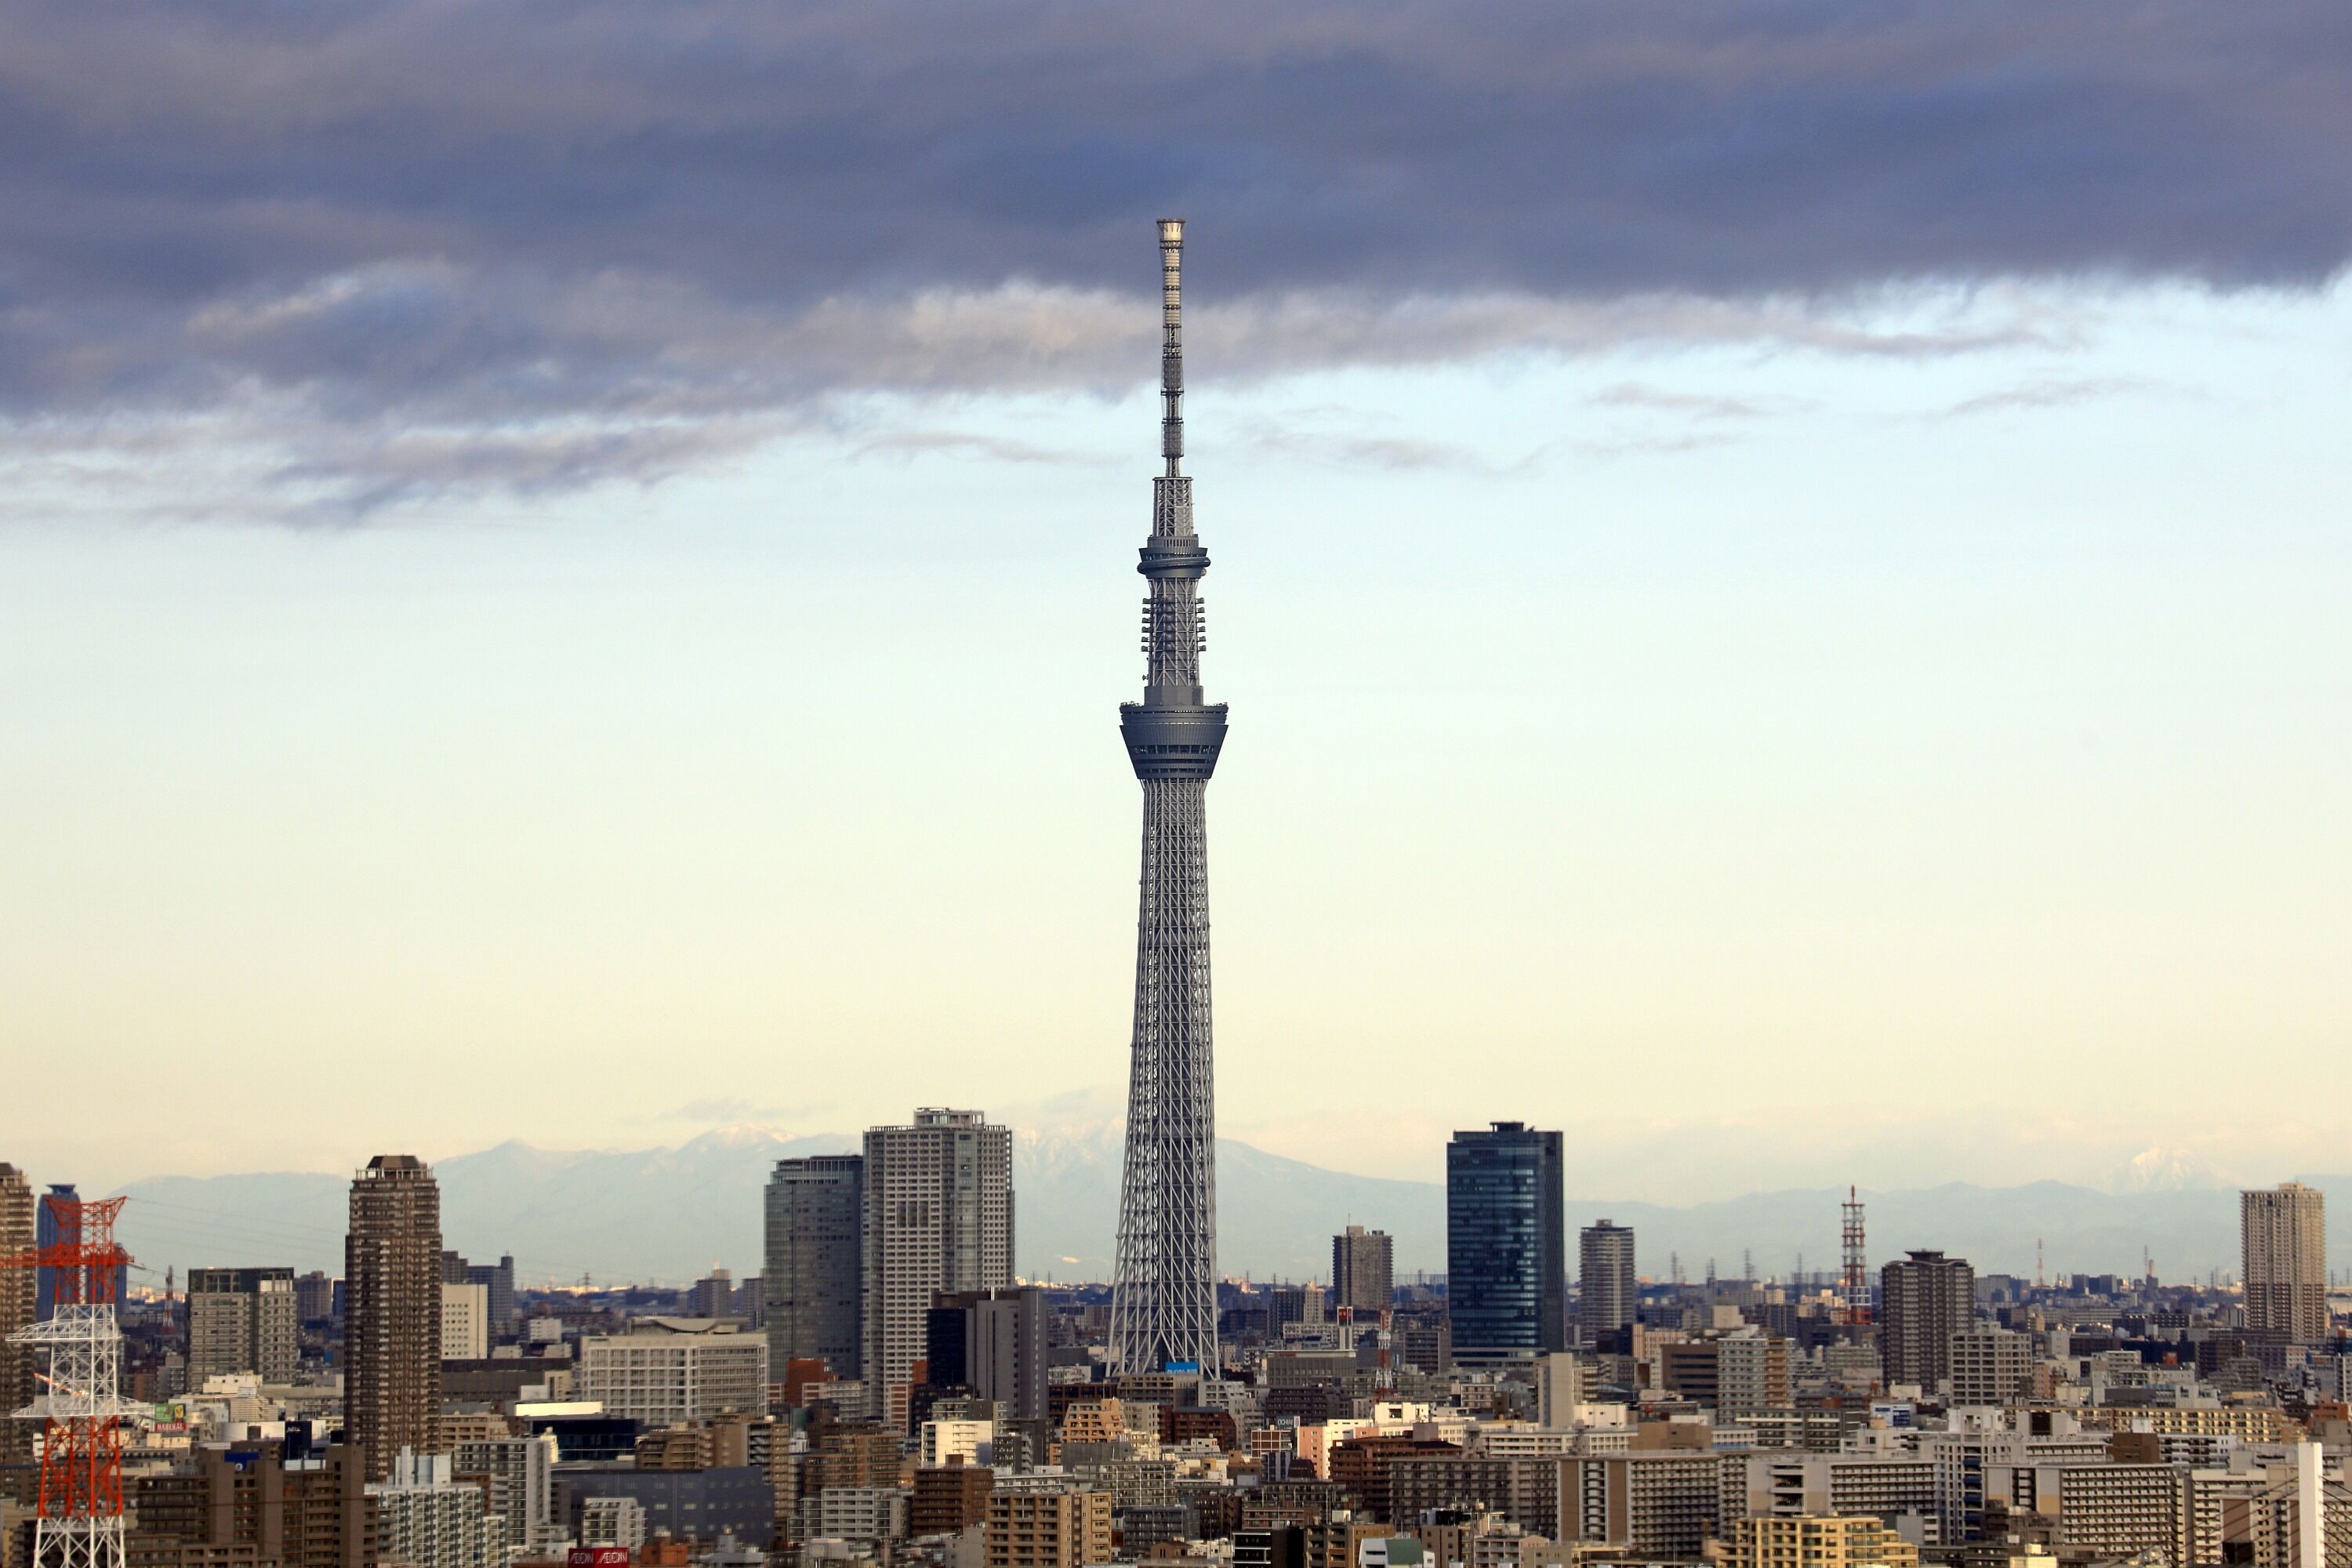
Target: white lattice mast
point(78, 1522)
point(1165, 1302)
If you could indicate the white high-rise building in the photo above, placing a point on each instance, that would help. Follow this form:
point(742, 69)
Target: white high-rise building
point(671, 1372)
point(465, 1321)
point(938, 1217)
point(2283, 1238)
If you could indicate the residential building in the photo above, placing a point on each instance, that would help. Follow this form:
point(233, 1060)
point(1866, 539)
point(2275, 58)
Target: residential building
point(1563, 1381)
point(1606, 1286)
point(949, 1498)
point(516, 1476)
point(676, 1370)
point(611, 1521)
point(425, 1518)
point(1654, 1503)
point(391, 1313)
point(19, 1233)
point(465, 1321)
point(873, 1514)
point(1992, 1366)
point(1505, 1246)
point(955, 1442)
point(1363, 1270)
point(1817, 1540)
point(1064, 1524)
point(248, 1504)
point(812, 1278)
point(1887, 1485)
point(1525, 1490)
point(2282, 1239)
point(1923, 1298)
point(939, 1218)
point(316, 1297)
point(1733, 1374)
point(243, 1319)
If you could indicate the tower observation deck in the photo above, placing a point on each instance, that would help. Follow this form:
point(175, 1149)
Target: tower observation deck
point(1164, 1299)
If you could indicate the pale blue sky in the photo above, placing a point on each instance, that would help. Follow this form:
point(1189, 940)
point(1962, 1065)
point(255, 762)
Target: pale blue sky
point(1772, 765)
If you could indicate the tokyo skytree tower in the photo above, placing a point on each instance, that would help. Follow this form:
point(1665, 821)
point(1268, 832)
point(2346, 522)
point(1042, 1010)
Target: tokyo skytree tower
point(1163, 1311)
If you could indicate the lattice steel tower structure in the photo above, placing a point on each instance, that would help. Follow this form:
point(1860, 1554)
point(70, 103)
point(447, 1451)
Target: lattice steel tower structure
point(80, 1521)
point(1163, 1308)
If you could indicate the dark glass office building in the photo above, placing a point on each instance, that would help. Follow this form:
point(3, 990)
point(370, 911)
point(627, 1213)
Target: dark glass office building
point(1505, 1245)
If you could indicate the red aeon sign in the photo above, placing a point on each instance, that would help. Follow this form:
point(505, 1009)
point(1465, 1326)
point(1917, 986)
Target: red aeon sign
point(597, 1557)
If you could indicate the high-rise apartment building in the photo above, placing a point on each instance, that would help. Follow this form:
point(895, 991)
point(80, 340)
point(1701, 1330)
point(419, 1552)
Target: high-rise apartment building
point(1363, 1270)
point(19, 1232)
point(814, 1276)
point(243, 1319)
point(2283, 1237)
point(1506, 1264)
point(391, 1311)
point(938, 1217)
point(1606, 1288)
point(1923, 1298)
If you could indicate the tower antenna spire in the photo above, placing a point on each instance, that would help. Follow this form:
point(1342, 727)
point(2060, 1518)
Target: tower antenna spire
point(1172, 343)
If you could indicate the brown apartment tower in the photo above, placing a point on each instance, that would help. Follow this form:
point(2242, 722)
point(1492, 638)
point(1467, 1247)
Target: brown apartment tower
point(391, 1311)
point(19, 1231)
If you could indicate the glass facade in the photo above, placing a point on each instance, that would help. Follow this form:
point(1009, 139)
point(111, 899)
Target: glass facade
point(1506, 1244)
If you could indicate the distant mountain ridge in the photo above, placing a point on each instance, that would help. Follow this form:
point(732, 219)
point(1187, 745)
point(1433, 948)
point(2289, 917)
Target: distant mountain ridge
point(670, 1214)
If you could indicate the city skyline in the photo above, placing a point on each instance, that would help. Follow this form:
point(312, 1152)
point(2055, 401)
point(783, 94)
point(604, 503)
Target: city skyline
point(571, 990)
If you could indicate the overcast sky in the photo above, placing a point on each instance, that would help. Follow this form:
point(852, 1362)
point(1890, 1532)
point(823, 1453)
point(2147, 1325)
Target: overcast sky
point(565, 572)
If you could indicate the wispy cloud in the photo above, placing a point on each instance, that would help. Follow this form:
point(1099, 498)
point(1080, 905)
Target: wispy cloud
point(961, 443)
point(1694, 405)
point(2055, 393)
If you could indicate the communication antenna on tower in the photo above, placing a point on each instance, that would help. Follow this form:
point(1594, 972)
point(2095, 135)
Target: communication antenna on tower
point(78, 1522)
point(1857, 1257)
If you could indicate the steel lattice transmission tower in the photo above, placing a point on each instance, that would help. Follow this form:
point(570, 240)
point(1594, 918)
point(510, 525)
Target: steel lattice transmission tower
point(79, 1524)
point(1164, 1303)
point(1856, 1280)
